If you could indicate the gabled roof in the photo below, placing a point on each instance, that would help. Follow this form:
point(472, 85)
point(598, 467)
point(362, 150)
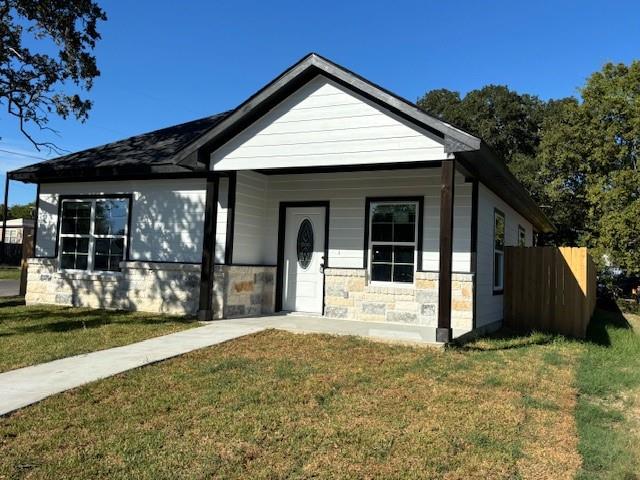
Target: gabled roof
point(454, 139)
point(185, 149)
point(148, 153)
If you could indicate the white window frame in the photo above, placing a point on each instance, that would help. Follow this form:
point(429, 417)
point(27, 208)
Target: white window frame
point(522, 236)
point(498, 289)
point(13, 236)
point(414, 244)
point(91, 235)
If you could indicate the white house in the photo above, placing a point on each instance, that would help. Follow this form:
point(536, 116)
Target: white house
point(322, 193)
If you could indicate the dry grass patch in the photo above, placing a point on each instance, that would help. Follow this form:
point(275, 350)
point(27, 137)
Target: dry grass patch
point(277, 405)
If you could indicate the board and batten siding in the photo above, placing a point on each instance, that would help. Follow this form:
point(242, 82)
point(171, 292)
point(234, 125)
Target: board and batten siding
point(489, 307)
point(259, 197)
point(167, 217)
point(325, 124)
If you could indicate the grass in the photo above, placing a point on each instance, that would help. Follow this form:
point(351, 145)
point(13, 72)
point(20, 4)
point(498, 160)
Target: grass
point(9, 273)
point(608, 409)
point(278, 405)
point(36, 334)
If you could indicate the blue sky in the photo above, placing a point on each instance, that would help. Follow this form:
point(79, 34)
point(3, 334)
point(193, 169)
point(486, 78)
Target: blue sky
point(166, 62)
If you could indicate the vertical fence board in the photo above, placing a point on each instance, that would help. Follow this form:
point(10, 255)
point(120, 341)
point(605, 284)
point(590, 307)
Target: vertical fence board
point(549, 289)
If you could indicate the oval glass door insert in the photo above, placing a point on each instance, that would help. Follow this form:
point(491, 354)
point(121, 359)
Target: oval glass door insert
point(304, 244)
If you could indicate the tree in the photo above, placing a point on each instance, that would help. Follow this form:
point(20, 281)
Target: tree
point(508, 121)
point(611, 110)
point(18, 211)
point(35, 84)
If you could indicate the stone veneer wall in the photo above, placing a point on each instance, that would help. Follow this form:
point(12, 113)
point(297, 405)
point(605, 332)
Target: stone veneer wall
point(146, 286)
point(348, 294)
point(171, 288)
point(244, 291)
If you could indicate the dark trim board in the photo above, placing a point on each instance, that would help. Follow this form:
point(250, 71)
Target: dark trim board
point(205, 303)
point(35, 221)
point(368, 167)
point(282, 222)
point(112, 176)
point(445, 247)
point(474, 249)
point(231, 215)
point(420, 226)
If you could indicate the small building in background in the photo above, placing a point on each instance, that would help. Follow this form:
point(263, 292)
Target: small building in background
point(17, 229)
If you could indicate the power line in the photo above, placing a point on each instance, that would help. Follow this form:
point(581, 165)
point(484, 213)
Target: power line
point(19, 154)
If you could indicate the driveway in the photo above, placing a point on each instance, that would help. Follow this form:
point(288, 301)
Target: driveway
point(9, 288)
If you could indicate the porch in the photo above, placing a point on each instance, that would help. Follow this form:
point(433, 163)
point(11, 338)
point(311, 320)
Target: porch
point(254, 241)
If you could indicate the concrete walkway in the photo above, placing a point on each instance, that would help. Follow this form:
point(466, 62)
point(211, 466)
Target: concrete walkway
point(25, 386)
point(9, 288)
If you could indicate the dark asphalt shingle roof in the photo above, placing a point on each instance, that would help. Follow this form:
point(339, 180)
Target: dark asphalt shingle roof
point(149, 151)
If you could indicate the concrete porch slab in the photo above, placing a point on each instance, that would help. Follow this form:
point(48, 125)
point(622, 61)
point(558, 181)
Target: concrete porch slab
point(378, 331)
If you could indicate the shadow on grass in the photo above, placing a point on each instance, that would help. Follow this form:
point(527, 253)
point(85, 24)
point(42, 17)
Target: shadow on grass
point(507, 339)
point(65, 319)
point(607, 317)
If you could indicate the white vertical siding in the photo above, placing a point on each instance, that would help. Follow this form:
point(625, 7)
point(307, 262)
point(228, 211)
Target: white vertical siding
point(324, 123)
point(166, 218)
point(249, 235)
point(256, 234)
point(489, 307)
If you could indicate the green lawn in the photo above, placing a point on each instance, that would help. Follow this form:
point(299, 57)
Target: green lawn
point(278, 405)
point(608, 410)
point(9, 273)
point(35, 334)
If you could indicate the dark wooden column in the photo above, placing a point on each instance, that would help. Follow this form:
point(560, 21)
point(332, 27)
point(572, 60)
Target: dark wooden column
point(443, 332)
point(5, 212)
point(231, 215)
point(205, 310)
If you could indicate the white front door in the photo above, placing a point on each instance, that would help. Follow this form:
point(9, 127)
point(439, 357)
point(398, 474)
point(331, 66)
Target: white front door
point(303, 280)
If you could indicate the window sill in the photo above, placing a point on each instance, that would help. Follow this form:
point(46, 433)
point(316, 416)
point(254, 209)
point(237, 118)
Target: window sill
point(85, 275)
point(498, 292)
point(392, 284)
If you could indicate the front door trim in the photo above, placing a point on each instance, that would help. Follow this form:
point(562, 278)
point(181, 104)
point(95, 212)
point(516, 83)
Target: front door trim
point(282, 222)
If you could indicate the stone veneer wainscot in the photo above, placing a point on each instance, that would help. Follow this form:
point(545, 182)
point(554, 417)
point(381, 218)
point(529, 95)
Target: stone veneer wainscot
point(171, 288)
point(348, 294)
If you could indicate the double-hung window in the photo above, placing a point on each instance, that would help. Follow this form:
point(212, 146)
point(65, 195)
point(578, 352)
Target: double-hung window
point(522, 236)
point(392, 241)
point(93, 233)
point(498, 250)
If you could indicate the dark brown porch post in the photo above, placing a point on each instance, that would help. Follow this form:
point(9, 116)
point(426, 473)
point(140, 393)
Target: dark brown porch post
point(5, 211)
point(205, 309)
point(443, 332)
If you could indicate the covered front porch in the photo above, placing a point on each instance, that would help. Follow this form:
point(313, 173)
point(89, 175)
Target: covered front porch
point(255, 269)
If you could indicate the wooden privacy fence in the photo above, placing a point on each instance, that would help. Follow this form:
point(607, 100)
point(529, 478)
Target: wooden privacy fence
point(550, 289)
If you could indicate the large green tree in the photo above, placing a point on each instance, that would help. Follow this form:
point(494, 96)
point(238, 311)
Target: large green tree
point(510, 122)
point(578, 157)
point(46, 60)
point(593, 153)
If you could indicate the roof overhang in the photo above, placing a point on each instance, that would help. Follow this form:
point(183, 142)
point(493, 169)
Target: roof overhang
point(485, 165)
